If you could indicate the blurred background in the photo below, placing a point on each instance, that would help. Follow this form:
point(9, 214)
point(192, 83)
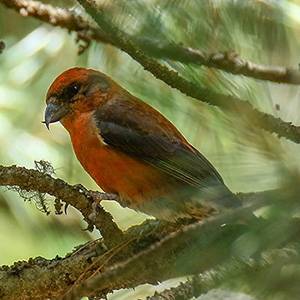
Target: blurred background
point(249, 159)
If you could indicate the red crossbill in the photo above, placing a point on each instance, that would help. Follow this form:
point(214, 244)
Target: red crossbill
point(132, 150)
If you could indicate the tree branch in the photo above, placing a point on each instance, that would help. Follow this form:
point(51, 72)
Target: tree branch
point(147, 253)
point(63, 18)
point(41, 279)
point(229, 62)
point(228, 102)
point(87, 31)
point(77, 196)
point(180, 253)
point(230, 270)
point(121, 40)
point(55, 277)
point(184, 252)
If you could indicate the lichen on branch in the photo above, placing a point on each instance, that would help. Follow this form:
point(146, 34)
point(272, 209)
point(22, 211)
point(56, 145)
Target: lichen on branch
point(87, 202)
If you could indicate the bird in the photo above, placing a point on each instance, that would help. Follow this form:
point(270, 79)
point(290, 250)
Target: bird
point(130, 149)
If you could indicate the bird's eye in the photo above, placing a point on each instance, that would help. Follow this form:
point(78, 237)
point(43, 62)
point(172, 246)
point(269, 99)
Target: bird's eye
point(71, 90)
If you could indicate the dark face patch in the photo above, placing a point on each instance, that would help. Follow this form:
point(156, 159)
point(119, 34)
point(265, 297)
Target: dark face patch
point(71, 90)
point(79, 89)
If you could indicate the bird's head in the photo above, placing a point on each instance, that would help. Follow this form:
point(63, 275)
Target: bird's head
point(76, 90)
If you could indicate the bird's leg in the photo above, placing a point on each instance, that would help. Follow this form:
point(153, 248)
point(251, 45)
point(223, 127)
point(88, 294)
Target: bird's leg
point(95, 195)
point(99, 196)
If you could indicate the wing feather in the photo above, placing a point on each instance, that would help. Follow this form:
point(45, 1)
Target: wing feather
point(122, 129)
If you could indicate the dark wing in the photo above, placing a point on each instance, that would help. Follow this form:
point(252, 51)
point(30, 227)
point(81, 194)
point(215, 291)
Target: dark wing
point(131, 131)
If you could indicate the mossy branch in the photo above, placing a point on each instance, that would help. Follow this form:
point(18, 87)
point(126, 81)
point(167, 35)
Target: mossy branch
point(147, 253)
point(83, 200)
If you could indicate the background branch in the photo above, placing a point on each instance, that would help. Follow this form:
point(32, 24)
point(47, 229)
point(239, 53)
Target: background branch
point(63, 18)
point(230, 270)
point(230, 62)
point(86, 31)
point(230, 103)
point(73, 22)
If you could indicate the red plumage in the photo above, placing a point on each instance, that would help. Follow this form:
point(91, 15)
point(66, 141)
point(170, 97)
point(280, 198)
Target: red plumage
point(132, 150)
